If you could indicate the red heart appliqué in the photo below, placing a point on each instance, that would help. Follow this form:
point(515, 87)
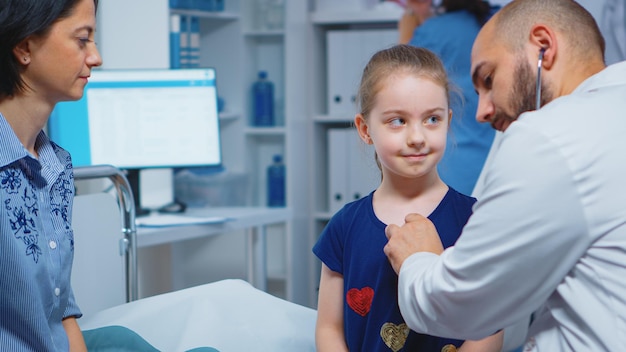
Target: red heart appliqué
point(360, 300)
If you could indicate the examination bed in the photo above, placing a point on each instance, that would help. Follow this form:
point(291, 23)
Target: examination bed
point(227, 315)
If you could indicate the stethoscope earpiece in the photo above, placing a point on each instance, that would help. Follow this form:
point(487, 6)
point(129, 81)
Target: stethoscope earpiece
point(538, 86)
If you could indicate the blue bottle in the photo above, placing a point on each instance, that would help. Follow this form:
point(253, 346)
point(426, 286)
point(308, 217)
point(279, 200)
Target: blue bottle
point(263, 99)
point(276, 183)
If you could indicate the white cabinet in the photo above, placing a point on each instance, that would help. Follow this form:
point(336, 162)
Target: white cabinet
point(352, 170)
point(347, 53)
point(135, 34)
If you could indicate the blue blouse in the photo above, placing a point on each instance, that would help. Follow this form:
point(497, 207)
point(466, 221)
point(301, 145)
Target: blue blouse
point(36, 244)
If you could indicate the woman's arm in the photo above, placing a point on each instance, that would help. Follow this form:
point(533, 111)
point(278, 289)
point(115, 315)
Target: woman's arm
point(417, 11)
point(74, 335)
point(406, 26)
point(329, 335)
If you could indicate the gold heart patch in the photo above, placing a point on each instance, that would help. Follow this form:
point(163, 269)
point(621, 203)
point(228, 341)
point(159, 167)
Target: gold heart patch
point(394, 335)
point(449, 348)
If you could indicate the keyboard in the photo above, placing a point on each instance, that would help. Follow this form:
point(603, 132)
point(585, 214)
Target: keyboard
point(166, 220)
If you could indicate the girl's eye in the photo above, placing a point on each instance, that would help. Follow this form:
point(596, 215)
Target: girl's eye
point(432, 120)
point(396, 121)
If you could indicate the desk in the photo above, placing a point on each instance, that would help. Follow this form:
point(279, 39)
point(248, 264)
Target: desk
point(252, 219)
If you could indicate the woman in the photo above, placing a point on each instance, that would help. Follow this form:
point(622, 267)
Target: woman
point(47, 52)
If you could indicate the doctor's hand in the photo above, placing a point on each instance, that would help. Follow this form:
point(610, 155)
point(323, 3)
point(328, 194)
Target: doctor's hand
point(418, 234)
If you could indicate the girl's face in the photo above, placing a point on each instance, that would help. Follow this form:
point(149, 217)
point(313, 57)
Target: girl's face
point(408, 126)
point(58, 64)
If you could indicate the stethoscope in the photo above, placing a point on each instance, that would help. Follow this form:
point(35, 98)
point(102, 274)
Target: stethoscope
point(538, 85)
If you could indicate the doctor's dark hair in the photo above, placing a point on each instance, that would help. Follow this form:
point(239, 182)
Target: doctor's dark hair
point(399, 59)
point(20, 19)
point(514, 21)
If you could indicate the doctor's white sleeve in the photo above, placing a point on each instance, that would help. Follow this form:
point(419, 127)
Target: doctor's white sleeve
point(526, 233)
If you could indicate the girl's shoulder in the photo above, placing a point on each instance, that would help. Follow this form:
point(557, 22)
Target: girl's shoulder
point(454, 205)
point(356, 207)
point(460, 197)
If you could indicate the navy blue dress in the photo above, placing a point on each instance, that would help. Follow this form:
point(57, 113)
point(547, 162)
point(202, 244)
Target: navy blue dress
point(352, 245)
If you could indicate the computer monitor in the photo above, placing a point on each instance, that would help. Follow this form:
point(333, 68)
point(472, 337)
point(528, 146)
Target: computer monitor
point(142, 118)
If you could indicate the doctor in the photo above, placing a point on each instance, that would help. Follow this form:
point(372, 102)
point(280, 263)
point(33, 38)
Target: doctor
point(548, 236)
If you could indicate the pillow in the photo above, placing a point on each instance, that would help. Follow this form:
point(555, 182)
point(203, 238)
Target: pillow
point(117, 338)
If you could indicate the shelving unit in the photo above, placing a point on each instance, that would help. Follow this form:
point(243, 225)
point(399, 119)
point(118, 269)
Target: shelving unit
point(231, 43)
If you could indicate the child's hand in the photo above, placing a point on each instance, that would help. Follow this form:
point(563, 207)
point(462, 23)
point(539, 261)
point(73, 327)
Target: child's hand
point(418, 234)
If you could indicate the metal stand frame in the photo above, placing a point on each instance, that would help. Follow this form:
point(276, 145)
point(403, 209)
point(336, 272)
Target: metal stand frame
point(127, 211)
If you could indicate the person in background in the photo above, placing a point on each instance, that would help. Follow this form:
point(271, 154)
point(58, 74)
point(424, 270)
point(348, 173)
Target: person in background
point(404, 104)
point(449, 29)
point(547, 239)
point(613, 26)
point(47, 52)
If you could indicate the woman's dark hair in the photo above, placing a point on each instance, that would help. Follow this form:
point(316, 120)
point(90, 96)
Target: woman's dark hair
point(20, 19)
point(479, 8)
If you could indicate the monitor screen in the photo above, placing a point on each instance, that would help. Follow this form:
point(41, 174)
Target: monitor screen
point(142, 118)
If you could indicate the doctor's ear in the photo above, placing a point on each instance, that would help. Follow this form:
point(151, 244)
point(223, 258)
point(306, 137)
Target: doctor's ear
point(545, 39)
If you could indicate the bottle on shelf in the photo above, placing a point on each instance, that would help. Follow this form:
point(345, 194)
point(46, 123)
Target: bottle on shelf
point(276, 182)
point(263, 98)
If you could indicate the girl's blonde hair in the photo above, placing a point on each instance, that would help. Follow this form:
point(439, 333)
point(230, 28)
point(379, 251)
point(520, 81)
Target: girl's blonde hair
point(398, 59)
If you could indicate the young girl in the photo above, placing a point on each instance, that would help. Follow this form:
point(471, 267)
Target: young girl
point(404, 101)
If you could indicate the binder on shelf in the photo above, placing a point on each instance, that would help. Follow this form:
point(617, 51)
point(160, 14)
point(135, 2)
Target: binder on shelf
point(218, 5)
point(348, 51)
point(200, 5)
point(194, 42)
point(175, 45)
point(184, 41)
point(352, 170)
point(182, 4)
point(210, 5)
point(337, 161)
point(205, 5)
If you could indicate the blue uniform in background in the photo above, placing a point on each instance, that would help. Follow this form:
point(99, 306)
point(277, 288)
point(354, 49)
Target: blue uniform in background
point(451, 36)
point(352, 245)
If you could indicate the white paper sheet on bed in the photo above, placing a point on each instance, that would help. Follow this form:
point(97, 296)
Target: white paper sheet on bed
point(229, 315)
